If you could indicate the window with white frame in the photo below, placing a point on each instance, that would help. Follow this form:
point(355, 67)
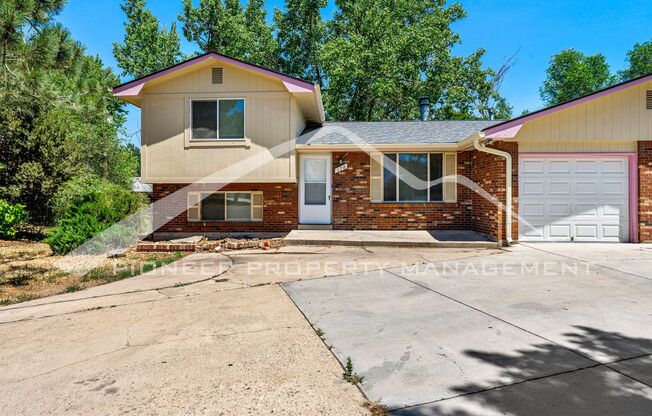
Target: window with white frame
point(225, 206)
point(217, 119)
point(413, 177)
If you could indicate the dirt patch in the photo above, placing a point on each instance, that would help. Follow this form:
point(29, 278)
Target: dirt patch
point(28, 271)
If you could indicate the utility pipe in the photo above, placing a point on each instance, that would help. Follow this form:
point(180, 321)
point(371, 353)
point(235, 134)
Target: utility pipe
point(508, 182)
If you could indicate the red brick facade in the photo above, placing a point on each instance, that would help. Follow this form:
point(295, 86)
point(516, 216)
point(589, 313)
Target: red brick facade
point(488, 172)
point(645, 191)
point(353, 209)
point(280, 209)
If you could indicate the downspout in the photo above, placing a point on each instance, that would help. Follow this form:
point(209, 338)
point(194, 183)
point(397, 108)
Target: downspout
point(508, 182)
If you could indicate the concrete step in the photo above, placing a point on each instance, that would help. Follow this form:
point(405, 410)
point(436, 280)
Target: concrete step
point(315, 227)
point(453, 239)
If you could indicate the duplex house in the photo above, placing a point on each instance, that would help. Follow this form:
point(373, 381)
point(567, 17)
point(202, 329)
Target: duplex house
point(232, 147)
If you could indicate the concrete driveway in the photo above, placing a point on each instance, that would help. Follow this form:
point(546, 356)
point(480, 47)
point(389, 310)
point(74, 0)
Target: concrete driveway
point(211, 334)
point(548, 329)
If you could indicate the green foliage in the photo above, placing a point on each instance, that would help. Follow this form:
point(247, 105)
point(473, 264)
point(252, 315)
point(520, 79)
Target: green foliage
point(11, 215)
point(349, 375)
point(222, 26)
point(301, 33)
point(380, 56)
point(92, 213)
point(59, 117)
point(572, 74)
point(147, 47)
point(639, 60)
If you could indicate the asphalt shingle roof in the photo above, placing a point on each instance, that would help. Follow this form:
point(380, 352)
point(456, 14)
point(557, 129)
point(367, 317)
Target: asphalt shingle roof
point(393, 132)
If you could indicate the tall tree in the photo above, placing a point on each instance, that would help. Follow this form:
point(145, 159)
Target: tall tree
point(639, 60)
point(224, 27)
point(380, 56)
point(572, 74)
point(59, 117)
point(263, 47)
point(300, 32)
point(147, 46)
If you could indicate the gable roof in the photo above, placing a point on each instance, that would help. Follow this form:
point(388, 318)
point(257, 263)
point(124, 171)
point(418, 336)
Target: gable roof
point(392, 132)
point(134, 87)
point(509, 128)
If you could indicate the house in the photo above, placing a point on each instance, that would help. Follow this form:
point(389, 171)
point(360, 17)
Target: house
point(233, 147)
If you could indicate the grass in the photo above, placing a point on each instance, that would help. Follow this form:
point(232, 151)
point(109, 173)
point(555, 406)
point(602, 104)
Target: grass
point(123, 271)
point(28, 271)
point(376, 409)
point(349, 375)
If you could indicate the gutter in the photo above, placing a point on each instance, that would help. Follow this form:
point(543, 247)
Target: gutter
point(508, 182)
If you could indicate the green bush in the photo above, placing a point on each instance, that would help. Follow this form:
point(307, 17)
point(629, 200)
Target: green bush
point(10, 217)
point(70, 191)
point(91, 213)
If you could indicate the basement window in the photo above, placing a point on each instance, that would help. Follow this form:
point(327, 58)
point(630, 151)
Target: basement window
point(217, 119)
point(225, 206)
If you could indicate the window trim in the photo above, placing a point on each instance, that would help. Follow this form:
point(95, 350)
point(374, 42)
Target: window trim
point(201, 197)
point(217, 139)
point(398, 178)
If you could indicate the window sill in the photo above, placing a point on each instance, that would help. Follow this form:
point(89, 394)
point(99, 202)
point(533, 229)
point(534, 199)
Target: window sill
point(412, 202)
point(244, 143)
point(225, 221)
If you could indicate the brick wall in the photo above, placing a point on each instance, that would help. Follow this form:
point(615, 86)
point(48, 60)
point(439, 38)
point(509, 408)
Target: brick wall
point(645, 191)
point(488, 172)
point(353, 209)
point(280, 208)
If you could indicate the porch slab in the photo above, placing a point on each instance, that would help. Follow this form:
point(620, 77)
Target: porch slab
point(412, 238)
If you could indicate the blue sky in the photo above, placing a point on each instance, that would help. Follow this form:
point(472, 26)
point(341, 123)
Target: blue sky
point(533, 29)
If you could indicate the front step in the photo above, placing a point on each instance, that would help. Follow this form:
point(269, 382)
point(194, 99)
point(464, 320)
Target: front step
point(315, 227)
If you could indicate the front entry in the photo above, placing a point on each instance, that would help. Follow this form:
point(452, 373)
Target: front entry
point(315, 189)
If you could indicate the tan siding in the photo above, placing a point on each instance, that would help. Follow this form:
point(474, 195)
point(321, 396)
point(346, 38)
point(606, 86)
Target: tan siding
point(620, 116)
point(272, 121)
point(575, 146)
point(199, 81)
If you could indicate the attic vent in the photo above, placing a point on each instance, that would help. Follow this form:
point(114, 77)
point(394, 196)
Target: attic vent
point(217, 76)
point(648, 100)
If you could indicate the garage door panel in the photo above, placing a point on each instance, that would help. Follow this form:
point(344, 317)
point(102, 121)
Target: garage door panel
point(614, 187)
point(562, 231)
point(574, 199)
point(532, 187)
point(559, 209)
point(559, 187)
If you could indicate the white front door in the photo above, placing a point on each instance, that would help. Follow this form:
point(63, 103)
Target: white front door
point(573, 199)
point(315, 189)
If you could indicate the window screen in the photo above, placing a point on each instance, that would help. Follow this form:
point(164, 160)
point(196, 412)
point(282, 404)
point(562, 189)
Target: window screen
point(238, 206)
point(204, 119)
point(436, 169)
point(389, 177)
point(212, 207)
point(413, 177)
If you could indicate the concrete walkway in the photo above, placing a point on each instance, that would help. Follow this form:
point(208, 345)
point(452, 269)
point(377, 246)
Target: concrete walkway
point(535, 331)
point(371, 238)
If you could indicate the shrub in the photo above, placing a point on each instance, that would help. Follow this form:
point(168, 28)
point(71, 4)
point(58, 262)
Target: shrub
point(69, 192)
point(10, 217)
point(92, 213)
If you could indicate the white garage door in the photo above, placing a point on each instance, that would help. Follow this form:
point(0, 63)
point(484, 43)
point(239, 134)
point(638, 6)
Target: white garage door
point(573, 199)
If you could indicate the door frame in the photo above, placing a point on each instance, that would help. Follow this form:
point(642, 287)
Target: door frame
point(329, 186)
point(632, 160)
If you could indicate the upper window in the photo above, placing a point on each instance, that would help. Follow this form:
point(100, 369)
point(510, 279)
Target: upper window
point(217, 119)
point(412, 177)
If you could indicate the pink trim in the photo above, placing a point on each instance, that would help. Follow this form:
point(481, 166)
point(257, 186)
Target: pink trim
point(632, 159)
point(505, 134)
point(491, 131)
point(292, 84)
